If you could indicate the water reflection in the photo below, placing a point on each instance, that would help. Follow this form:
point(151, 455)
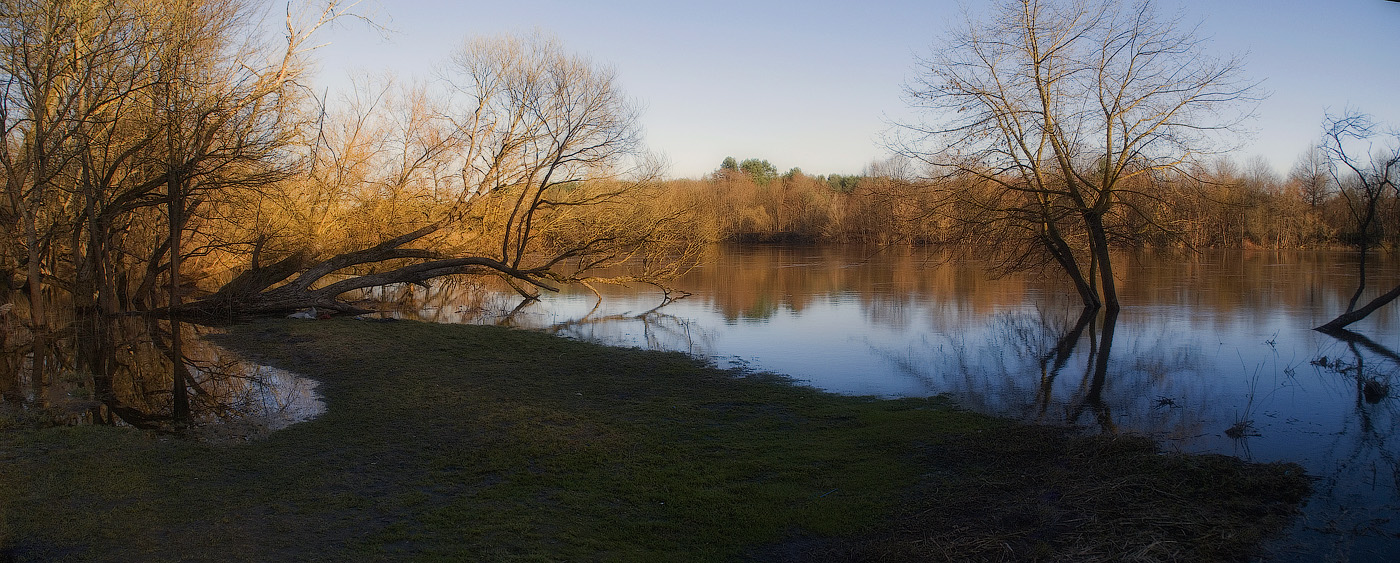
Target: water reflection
point(120, 371)
point(1373, 382)
point(1356, 491)
point(1212, 353)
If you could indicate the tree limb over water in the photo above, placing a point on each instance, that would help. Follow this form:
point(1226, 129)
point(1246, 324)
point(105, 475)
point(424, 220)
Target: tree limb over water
point(256, 291)
point(1368, 182)
point(523, 170)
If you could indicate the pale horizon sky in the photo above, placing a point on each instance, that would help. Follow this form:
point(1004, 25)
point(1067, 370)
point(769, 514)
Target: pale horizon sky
point(814, 85)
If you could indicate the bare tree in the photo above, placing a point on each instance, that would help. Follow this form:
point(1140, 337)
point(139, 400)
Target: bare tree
point(1051, 113)
point(49, 57)
point(1312, 175)
point(1368, 177)
point(114, 109)
point(147, 143)
point(120, 120)
point(521, 171)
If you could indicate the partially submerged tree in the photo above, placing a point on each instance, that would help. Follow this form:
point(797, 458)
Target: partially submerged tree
point(1368, 177)
point(119, 121)
point(1045, 120)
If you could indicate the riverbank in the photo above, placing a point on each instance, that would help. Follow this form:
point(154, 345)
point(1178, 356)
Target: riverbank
point(450, 442)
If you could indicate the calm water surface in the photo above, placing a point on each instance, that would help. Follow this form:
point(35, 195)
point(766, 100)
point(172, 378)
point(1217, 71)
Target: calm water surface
point(1212, 353)
point(231, 399)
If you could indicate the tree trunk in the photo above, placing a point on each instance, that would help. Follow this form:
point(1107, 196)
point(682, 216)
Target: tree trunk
point(253, 291)
point(38, 314)
point(1340, 323)
point(1360, 273)
point(180, 406)
point(1099, 246)
point(1064, 256)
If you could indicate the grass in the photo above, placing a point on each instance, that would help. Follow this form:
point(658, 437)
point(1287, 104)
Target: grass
point(457, 442)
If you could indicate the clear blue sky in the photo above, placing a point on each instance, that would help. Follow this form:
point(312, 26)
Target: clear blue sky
point(814, 84)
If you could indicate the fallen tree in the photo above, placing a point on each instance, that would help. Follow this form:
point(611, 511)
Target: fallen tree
point(292, 283)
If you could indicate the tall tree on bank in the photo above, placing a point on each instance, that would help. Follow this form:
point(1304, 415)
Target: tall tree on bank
point(1368, 177)
point(1313, 178)
point(1048, 118)
point(50, 59)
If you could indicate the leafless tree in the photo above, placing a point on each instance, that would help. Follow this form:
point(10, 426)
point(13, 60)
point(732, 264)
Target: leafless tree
point(1312, 175)
point(1368, 176)
point(51, 57)
point(1050, 113)
point(113, 110)
point(147, 143)
point(121, 118)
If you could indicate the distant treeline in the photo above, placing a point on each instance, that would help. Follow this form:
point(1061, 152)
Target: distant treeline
point(1223, 205)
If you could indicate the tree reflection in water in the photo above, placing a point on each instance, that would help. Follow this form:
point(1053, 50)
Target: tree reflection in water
point(119, 372)
point(1058, 368)
point(1053, 367)
point(1205, 342)
point(1357, 494)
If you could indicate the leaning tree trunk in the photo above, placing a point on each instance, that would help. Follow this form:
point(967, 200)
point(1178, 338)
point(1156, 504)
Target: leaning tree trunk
point(1064, 256)
point(1340, 323)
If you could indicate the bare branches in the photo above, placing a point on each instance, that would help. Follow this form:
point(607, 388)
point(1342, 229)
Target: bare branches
point(141, 134)
point(1057, 106)
point(1366, 171)
point(534, 119)
point(527, 167)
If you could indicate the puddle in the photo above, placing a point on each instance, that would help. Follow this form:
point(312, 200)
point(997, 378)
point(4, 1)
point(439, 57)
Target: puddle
point(230, 398)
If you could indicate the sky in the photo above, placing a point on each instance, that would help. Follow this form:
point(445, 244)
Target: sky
point(817, 85)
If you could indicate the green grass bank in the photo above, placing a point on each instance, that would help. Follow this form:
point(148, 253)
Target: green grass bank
point(446, 442)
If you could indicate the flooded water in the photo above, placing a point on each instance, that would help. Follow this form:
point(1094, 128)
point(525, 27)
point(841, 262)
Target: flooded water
point(127, 379)
point(1210, 353)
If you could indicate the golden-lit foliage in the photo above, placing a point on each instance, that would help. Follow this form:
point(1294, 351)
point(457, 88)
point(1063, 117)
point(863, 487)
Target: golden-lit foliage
point(1219, 205)
point(136, 127)
point(125, 123)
